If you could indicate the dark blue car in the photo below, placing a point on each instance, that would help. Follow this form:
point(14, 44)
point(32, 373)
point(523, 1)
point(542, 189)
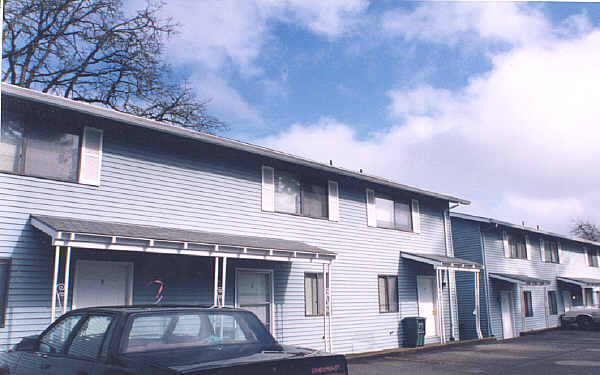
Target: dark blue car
point(162, 340)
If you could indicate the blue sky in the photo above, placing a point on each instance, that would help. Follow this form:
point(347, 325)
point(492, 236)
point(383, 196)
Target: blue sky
point(493, 102)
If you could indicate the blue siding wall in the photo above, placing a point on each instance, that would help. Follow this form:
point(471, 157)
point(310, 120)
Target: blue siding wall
point(172, 182)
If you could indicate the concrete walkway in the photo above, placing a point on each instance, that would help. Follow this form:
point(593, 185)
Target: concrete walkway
point(547, 353)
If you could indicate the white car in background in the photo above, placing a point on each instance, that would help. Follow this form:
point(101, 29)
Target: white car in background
point(585, 317)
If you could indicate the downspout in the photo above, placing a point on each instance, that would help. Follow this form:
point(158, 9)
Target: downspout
point(486, 280)
point(450, 285)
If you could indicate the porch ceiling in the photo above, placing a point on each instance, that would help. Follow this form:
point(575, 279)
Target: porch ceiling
point(519, 279)
point(580, 281)
point(443, 262)
point(145, 238)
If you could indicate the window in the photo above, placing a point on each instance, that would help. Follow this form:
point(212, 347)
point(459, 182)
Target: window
point(592, 257)
point(88, 340)
point(552, 305)
point(527, 304)
point(388, 293)
point(517, 246)
point(314, 302)
point(551, 252)
point(54, 340)
point(589, 296)
point(33, 149)
point(393, 214)
point(294, 195)
point(4, 279)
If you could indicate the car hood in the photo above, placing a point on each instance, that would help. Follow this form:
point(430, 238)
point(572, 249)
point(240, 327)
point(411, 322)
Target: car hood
point(190, 360)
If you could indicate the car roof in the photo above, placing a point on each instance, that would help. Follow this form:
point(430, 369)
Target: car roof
point(150, 308)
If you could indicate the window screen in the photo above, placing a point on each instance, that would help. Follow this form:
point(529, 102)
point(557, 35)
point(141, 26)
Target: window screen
point(527, 304)
point(294, 195)
point(393, 214)
point(388, 293)
point(551, 251)
point(4, 280)
point(518, 248)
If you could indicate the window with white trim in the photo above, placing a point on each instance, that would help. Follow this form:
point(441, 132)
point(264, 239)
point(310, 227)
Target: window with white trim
point(517, 245)
point(314, 297)
point(384, 211)
point(592, 257)
point(552, 303)
point(551, 252)
point(388, 293)
point(527, 304)
point(42, 146)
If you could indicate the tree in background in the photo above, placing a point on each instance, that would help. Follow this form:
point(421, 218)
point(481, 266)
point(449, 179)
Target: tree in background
point(92, 51)
point(586, 230)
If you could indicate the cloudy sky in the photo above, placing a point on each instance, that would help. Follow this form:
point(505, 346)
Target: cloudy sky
point(498, 103)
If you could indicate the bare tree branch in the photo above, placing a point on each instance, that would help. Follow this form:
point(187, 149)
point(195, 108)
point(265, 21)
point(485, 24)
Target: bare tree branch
point(586, 230)
point(91, 51)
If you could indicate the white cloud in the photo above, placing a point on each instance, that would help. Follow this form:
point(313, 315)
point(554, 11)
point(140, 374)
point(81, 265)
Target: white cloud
point(215, 32)
point(521, 141)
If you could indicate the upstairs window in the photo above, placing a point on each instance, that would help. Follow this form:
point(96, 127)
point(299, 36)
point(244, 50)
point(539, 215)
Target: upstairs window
point(393, 214)
point(298, 196)
point(551, 252)
point(592, 257)
point(42, 151)
point(517, 246)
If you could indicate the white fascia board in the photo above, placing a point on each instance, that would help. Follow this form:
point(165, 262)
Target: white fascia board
point(418, 258)
point(514, 281)
point(44, 228)
point(111, 114)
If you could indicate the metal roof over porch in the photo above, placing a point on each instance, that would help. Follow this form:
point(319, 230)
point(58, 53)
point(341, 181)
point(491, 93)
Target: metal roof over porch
point(443, 262)
point(519, 279)
point(580, 281)
point(93, 234)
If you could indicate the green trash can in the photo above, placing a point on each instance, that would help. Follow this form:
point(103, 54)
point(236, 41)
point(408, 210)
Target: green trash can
point(414, 331)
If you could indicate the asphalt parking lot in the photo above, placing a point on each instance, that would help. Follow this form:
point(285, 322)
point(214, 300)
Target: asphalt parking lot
point(548, 353)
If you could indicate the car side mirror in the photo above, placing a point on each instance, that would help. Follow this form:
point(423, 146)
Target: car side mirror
point(28, 344)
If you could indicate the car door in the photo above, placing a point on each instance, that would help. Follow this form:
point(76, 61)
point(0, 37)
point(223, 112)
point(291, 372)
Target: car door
point(52, 343)
point(83, 349)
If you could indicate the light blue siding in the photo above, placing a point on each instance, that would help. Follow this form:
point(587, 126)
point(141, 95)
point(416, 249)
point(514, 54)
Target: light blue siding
point(167, 181)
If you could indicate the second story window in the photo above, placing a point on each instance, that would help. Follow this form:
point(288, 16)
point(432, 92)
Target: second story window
point(551, 252)
point(515, 246)
point(294, 195)
point(32, 144)
point(386, 212)
point(287, 192)
point(591, 257)
point(41, 151)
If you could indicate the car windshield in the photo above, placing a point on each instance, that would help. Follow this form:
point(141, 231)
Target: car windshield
point(172, 330)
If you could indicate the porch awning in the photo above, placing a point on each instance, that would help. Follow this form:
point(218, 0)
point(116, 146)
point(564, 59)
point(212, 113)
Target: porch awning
point(580, 281)
point(153, 239)
point(443, 262)
point(519, 279)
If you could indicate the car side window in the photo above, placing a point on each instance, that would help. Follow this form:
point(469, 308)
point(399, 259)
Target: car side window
point(55, 339)
point(88, 340)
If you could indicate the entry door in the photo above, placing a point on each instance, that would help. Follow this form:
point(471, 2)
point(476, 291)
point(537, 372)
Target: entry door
point(427, 303)
point(507, 321)
point(102, 284)
point(566, 296)
point(254, 292)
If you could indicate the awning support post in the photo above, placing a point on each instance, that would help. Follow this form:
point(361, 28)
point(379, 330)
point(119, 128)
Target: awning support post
point(329, 267)
point(522, 303)
point(440, 304)
point(66, 283)
point(223, 280)
point(216, 286)
point(325, 339)
point(477, 306)
point(54, 283)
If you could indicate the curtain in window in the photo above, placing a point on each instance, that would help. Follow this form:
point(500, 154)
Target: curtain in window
point(402, 215)
point(385, 212)
point(314, 200)
point(383, 300)
point(50, 152)
point(392, 289)
point(313, 294)
point(287, 193)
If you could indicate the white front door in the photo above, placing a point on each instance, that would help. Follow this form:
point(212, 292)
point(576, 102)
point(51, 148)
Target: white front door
point(102, 284)
point(566, 296)
point(507, 321)
point(426, 293)
point(254, 292)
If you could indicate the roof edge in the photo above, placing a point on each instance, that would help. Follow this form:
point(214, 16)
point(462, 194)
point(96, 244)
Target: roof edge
point(488, 220)
point(111, 114)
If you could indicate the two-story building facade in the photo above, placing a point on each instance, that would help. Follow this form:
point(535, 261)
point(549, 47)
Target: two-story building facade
point(103, 208)
point(531, 276)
